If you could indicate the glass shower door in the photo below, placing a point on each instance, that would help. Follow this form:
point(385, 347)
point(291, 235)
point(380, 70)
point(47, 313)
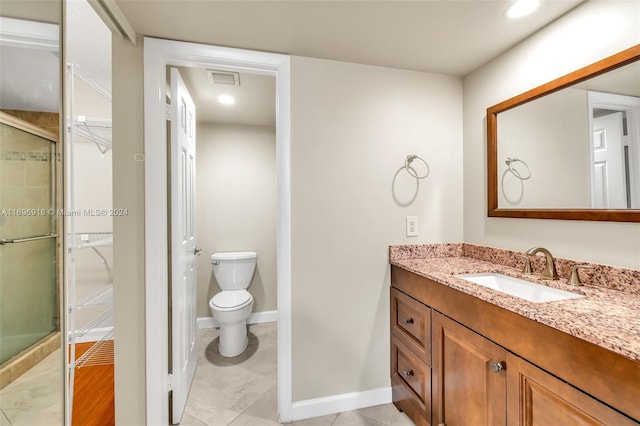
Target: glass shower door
point(29, 309)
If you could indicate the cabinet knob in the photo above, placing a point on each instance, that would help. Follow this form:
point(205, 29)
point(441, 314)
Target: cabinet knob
point(407, 373)
point(408, 321)
point(497, 366)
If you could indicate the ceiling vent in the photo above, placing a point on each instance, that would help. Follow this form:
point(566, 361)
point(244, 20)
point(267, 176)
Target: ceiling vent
point(224, 77)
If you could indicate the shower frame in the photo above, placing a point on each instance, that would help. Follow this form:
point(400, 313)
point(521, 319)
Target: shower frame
point(45, 342)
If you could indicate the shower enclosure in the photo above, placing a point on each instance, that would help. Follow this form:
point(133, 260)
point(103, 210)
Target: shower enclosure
point(29, 308)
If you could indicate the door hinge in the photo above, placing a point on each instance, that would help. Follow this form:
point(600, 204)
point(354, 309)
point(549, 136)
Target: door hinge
point(167, 112)
point(170, 382)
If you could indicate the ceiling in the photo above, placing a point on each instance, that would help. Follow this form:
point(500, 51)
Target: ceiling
point(255, 99)
point(29, 79)
point(33, 10)
point(443, 36)
point(29, 71)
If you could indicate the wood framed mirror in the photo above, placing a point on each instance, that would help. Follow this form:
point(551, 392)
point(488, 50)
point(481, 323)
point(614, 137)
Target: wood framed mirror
point(569, 149)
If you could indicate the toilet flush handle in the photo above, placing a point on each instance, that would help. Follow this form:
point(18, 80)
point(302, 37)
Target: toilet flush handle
point(197, 251)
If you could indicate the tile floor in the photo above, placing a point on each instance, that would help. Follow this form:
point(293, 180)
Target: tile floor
point(237, 392)
point(35, 398)
point(242, 391)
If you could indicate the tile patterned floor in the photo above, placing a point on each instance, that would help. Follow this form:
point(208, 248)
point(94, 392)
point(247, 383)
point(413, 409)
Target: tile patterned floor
point(226, 392)
point(242, 391)
point(34, 399)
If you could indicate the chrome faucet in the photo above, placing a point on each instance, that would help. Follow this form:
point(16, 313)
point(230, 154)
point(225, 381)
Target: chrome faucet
point(550, 267)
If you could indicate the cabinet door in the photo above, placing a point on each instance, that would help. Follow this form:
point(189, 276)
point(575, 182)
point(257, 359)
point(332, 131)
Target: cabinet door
point(468, 376)
point(536, 398)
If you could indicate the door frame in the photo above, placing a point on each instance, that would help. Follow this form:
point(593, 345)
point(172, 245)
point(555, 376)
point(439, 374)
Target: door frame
point(631, 106)
point(158, 54)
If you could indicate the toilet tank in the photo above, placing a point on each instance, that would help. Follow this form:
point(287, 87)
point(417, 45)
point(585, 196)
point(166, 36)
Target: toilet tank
point(234, 270)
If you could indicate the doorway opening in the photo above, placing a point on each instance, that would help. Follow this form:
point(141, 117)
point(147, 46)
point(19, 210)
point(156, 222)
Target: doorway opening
point(159, 55)
point(88, 217)
point(235, 212)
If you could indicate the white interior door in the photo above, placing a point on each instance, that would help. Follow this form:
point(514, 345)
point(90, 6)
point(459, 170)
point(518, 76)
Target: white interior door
point(183, 244)
point(609, 183)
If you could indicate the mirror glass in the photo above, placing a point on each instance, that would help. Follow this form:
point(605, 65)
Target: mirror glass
point(572, 146)
point(31, 353)
point(88, 169)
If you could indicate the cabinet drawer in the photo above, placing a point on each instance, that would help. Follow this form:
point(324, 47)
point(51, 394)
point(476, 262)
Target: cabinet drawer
point(411, 383)
point(411, 323)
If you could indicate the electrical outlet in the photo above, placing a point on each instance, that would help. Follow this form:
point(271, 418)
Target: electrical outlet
point(412, 226)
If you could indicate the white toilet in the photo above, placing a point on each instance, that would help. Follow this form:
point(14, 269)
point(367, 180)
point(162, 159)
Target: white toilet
point(232, 306)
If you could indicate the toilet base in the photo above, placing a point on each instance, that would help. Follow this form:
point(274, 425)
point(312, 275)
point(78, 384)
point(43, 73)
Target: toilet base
point(233, 339)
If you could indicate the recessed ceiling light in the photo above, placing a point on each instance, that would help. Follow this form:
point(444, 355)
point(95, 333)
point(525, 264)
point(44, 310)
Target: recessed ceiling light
point(521, 8)
point(226, 99)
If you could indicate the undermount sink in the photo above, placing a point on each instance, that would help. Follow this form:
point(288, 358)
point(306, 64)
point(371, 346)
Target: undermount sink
point(532, 292)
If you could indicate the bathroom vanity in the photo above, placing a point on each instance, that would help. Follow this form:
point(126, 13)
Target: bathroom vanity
point(463, 354)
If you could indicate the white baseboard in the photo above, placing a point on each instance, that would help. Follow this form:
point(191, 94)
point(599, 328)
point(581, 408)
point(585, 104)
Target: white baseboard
point(340, 403)
point(254, 318)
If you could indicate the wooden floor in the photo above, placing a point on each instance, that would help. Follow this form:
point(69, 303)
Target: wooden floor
point(93, 393)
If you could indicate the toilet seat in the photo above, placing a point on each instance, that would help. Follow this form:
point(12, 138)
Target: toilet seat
point(231, 300)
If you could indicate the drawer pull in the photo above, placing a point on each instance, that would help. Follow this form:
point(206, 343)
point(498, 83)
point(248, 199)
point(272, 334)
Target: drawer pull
point(408, 321)
point(407, 373)
point(497, 366)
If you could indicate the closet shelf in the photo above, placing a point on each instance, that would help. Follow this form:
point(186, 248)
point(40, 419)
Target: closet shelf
point(102, 297)
point(98, 80)
point(93, 239)
point(104, 319)
point(95, 130)
point(101, 353)
point(96, 334)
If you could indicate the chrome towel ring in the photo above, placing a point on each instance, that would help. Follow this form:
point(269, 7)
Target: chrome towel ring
point(510, 167)
point(411, 170)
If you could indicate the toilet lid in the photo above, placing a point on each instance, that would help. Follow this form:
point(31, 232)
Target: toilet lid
point(231, 299)
point(234, 255)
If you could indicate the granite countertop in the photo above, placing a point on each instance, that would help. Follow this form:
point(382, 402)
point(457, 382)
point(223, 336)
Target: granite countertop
point(607, 317)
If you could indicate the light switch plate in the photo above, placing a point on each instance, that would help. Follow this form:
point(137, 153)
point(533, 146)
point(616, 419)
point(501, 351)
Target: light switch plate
point(412, 226)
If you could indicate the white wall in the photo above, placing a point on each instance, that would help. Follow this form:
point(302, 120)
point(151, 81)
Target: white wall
point(591, 32)
point(236, 205)
point(352, 128)
point(128, 240)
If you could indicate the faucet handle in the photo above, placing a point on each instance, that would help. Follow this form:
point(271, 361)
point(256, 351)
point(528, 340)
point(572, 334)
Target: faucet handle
point(527, 264)
point(574, 278)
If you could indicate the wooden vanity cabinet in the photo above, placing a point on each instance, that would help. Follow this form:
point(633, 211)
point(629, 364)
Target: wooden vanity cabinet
point(411, 357)
point(477, 382)
point(490, 366)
